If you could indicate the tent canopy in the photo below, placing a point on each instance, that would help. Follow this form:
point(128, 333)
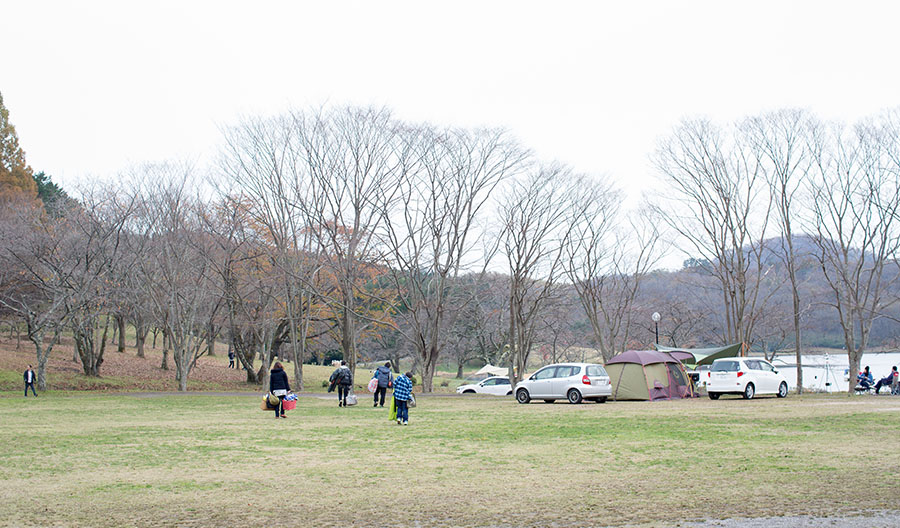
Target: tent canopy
point(701, 356)
point(647, 375)
point(491, 370)
point(642, 357)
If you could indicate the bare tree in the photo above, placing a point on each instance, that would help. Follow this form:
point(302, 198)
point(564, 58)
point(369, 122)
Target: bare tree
point(33, 271)
point(265, 162)
point(93, 246)
point(717, 202)
point(180, 280)
point(350, 170)
point(432, 230)
point(780, 141)
point(607, 263)
point(535, 216)
point(855, 220)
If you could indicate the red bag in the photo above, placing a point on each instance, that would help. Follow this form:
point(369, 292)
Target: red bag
point(289, 405)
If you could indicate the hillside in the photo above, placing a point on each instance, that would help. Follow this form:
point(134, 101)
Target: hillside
point(125, 372)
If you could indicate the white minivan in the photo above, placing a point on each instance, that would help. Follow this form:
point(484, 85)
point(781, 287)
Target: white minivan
point(745, 376)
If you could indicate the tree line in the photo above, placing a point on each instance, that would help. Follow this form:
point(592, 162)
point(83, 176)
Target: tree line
point(348, 229)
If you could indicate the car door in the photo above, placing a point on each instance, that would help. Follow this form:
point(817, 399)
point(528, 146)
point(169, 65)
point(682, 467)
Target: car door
point(540, 385)
point(494, 386)
point(772, 377)
point(561, 380)
point(756, 376)
point(501, 386)
point(486, 386)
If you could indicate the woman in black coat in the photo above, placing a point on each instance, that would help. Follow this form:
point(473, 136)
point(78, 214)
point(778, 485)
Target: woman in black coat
point(279, 386)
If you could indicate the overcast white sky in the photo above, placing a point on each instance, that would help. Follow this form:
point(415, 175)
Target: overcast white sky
point(95, 86)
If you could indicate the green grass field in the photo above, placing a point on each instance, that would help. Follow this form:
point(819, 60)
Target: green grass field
point(197, 460)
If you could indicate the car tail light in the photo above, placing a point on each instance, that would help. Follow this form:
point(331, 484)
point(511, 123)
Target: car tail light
point(586, 380)
point(709, 374)
point(740, 373)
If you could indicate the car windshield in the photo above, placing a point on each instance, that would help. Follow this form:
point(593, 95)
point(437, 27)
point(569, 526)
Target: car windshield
point(726, 366)
point(596, 370)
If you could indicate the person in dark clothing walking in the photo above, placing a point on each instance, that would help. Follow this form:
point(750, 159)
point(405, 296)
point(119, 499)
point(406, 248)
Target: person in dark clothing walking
point(29, 381)
point(231, 358)
point(385, 379)
point(342, 377)
point(279, 386)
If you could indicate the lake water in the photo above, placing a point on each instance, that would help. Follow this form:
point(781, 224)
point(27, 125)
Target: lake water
point(829, 372)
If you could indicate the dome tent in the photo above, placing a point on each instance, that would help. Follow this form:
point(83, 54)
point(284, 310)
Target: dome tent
point(647, 375)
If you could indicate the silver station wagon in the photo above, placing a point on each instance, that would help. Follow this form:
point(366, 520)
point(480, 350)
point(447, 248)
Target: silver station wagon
point(573, 381)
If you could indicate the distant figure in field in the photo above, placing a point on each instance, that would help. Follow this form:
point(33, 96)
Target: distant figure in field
point(385, 380)
point(29, 381)
point(887, 380)
point(865, 379)
point(402, 394)
point(279, 386)
point(231, 358)
point(342, 378)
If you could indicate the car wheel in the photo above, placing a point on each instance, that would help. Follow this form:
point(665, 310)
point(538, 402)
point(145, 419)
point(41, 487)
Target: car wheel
point(470, 391)
point(549, 401)
point(573, 396)
point(522, 396)
point(782, 390)
point(749, 391)
point(714, 395)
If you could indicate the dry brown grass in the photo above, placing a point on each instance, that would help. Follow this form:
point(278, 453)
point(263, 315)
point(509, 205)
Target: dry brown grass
point(202, 461)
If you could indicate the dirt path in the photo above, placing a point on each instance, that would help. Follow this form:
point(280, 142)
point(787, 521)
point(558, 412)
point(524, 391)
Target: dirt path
point(878, 519)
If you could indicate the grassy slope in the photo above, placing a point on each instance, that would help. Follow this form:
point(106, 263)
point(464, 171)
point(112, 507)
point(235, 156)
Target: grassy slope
point(190, 460)
point(126, 372)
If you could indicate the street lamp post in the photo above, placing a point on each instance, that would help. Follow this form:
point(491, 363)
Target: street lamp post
point(656, 319)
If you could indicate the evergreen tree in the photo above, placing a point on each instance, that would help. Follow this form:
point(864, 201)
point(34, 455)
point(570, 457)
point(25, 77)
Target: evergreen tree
point(53, 196)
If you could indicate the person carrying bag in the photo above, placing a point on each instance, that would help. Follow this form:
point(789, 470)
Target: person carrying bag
point(385, 378)
point(279, 386)
point(402, 394)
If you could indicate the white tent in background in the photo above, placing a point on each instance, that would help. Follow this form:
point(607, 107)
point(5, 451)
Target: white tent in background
point(490, 370)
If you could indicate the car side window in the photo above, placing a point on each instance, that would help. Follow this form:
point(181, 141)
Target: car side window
point(752, 364)
point(765, 365)
point(489, 382)
point(502, 381)
point(546, 373)
point(565, 372)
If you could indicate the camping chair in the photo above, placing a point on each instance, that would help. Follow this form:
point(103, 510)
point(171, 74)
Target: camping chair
point(895, 386)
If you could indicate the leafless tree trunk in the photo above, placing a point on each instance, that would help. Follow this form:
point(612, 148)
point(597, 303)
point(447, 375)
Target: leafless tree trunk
point(180, 282)
point(33, 269)
point(350, 170)
point(536, 225)
point(716, 202)
point(606, 265)
point(856, 201)
point(432, 229)
point(781, 143)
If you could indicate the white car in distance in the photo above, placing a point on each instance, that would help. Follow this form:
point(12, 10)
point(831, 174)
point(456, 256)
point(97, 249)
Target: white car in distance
point(497, 385)
point(745, 376)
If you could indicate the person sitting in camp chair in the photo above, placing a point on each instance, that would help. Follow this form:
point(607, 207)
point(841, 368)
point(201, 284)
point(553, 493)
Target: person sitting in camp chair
point(887, 380)
point(864, 380)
